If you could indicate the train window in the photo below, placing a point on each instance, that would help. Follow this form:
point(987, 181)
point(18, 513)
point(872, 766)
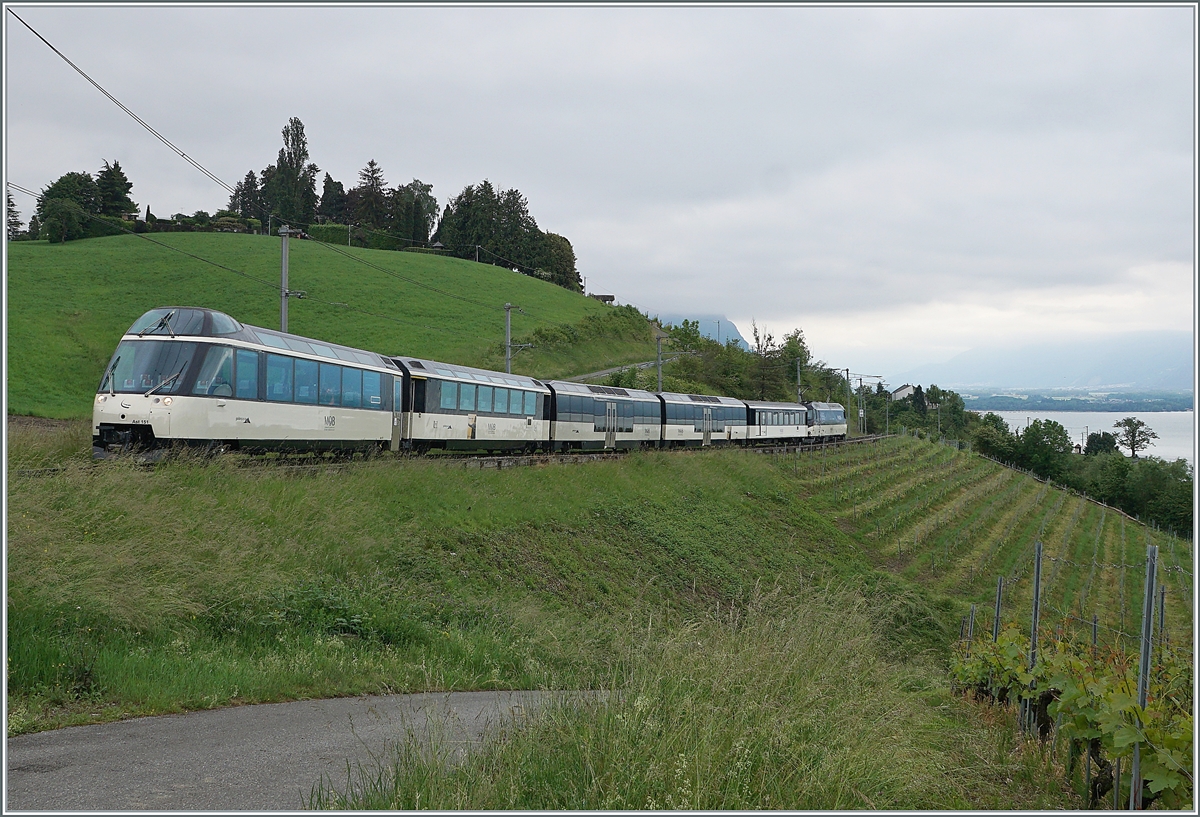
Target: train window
point(530, 404)
point(343, 354)
point(322, 350)
point(371, 391)
point(331, 384)
point(485, 398)
point(216, 376)
point(449, 395)
point(306, 381)
point(500, 401)
point(466, 396)
point(279, 378)
point(351, 387)
point(514, 401)
point(247, 374)
point(143, 364)
point(298, 346)
point(222, 324)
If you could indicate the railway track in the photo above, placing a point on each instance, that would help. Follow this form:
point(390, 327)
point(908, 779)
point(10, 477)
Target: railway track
point(469, 461)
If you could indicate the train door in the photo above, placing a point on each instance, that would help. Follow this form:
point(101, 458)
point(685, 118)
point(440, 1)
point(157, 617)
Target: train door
point(610, 425)
point(707, 426)
point(401, 421)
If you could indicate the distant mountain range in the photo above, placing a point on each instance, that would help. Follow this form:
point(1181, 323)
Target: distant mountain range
point(717, 327)
point(1135, 361)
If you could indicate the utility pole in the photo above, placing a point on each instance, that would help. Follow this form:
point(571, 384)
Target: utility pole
point(659, 337)
point(284, 292)
point(476, 253)
point(799, 387)
point(507, 330)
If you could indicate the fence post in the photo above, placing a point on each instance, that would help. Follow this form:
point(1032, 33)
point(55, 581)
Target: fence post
point(1135, 781)
point(996, 620)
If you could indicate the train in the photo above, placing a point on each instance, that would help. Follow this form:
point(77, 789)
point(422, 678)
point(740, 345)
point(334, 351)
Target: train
point(191, 376)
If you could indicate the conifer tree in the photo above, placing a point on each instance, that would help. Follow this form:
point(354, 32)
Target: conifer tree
point(113, 187)
point(12, 217)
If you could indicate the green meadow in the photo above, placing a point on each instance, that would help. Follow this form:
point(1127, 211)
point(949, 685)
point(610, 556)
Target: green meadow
point(68, 305)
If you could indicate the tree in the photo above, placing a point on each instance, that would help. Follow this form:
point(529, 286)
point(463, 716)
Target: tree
point(289, 187)
point(371, 208)
point(557, 260)
point(1043, 447)
point(1134, 434)
point(993, 438)
point(112, 189)
point(246, 199)
point(65, 206)
point(918, 401)
point(13, 217)
point(1100, 442)
point(333, 201)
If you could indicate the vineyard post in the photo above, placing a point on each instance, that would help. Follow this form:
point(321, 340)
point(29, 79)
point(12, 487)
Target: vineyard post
point(996, 618)
point(1162, 619)
point(1033, 634)
point(1135, 781)
point(1095, 632)
point(970, 630)
point(1117, 784)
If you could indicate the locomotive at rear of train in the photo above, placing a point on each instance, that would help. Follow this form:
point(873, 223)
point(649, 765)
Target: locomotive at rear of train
point(198, 377)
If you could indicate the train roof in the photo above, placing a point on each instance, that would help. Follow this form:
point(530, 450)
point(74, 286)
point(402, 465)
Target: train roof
point(195, 321)
point(768, 404)
point(568, 387)
point(453, 371)
point(826, 406)
point(710, 399)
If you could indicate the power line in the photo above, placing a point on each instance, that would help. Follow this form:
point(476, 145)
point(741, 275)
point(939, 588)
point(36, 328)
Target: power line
point(123, 107)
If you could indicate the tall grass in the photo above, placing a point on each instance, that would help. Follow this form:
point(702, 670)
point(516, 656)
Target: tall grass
point(778, 705)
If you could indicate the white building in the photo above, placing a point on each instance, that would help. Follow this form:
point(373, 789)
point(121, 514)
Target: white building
point(904, 391)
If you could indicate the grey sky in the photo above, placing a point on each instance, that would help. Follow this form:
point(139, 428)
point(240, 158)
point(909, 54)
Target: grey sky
point(901, 183)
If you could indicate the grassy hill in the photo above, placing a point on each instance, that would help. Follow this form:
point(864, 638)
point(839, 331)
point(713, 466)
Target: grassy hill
point(69, 303)
point(790, 614)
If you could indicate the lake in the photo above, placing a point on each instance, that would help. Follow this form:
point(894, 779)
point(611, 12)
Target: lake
point(1175, 429)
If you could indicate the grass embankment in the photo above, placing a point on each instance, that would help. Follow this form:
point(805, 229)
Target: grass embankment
point(695, 583)
point(69, 303)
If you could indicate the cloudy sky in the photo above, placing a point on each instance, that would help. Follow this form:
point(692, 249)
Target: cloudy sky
point(902, 183)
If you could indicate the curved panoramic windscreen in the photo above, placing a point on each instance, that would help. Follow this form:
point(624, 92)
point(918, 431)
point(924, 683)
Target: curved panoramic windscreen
point(141, 365)
point(168, 321)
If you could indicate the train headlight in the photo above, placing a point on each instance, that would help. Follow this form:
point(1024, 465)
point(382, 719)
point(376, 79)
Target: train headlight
point(102, 398)
point(168, 401)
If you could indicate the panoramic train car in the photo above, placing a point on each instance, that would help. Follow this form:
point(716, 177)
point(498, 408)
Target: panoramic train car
point(586, 417)
point(826, 422)
point(197, 376)
point(445, 405)
point(769, 422)
point(701, 419)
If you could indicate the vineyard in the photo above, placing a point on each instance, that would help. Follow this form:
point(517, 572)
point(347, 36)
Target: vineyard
point(969, 528)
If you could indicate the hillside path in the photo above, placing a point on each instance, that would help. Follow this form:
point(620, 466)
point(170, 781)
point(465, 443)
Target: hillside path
point(579, 378)
point(263, 758)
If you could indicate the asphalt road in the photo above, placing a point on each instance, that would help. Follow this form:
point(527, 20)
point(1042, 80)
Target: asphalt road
point(263, 758)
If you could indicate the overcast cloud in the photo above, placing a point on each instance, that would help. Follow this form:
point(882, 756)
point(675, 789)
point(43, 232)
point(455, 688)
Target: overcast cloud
point(901, 183)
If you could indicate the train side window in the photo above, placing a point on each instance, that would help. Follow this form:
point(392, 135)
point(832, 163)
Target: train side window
point(306, 381)
point(279, 378)
point(331, 384)
point(514, 401)
point(500, 401)
point(247, 374)
point(485, 398)
point(216, 376)
point(530, 404)
point(371, 392)
point(351, 387)
point(466, 396)
point(449, 395)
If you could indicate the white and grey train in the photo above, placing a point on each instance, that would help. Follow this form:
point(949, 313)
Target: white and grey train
point(197, 377)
